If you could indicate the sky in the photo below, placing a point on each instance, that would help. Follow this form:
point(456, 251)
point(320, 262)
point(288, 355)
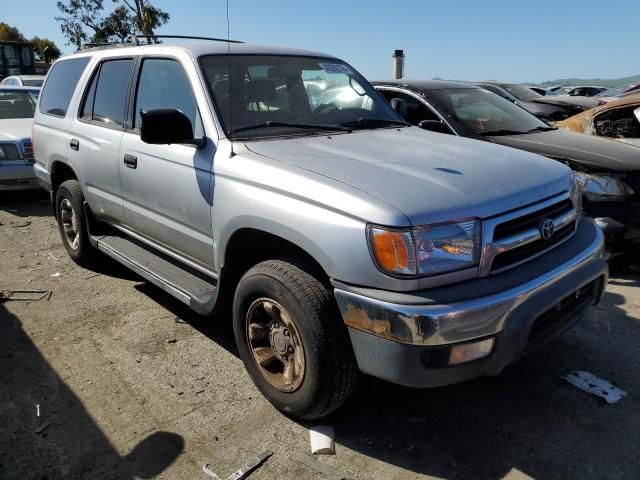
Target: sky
point(515, 41)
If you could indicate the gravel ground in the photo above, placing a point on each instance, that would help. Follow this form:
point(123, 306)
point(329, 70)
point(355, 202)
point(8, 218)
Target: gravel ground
point(131, 384)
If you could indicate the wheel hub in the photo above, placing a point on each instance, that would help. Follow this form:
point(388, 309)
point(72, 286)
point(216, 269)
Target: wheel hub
point(275, 344)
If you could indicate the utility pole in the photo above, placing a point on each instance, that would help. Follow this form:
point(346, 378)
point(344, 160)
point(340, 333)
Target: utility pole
point(398, 64)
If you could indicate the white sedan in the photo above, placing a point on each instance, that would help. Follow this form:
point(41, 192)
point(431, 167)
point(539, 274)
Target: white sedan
point(17, 107)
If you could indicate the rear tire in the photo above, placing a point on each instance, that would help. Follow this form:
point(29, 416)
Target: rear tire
point(72, 223)
point(292, 340)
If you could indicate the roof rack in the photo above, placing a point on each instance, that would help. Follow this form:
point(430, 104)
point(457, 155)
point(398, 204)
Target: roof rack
point(132, 41)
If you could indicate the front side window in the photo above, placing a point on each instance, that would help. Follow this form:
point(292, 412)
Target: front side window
point(416, 110)
point(163, 83)
point(107, 93)
point(262, 96)
point(478, 112)
point(60, 85)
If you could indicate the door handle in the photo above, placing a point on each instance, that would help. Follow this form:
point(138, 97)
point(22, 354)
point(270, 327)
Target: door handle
point(130, 161)
point(74, 143)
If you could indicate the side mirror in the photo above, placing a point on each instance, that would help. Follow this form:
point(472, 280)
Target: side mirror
point(400, 107)
point(162, 126)
point(434, 126)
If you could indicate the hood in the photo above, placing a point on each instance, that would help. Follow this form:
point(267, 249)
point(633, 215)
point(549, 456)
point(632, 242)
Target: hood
point(594, 153)
point(569, 100)
point(15, 129)
point(430, 177)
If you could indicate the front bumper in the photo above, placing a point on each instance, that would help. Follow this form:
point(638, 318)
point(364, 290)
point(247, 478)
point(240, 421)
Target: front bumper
point(17, 175)
point(396, 336)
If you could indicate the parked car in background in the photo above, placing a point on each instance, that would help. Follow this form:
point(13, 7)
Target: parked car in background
point(23, 81)
point(608, 172)
point(544, 107)
point(17, 107)
point(618, 120)
point(613, 93)
point(340, 236)
point(580, 91)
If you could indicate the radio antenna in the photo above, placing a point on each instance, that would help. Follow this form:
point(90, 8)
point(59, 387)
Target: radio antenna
point(231, 154)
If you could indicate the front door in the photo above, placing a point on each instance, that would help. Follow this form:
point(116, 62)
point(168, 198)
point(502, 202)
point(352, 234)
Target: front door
point(167, 189)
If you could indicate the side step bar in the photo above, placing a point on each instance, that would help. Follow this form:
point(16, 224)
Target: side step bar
point(194, 289)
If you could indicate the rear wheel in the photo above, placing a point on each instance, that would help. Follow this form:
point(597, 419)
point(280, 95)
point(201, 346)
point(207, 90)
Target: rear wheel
point(72, 223)
point(292, 340)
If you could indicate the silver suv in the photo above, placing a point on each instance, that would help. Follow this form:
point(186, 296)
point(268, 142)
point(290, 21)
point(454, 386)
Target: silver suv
point(279, 183)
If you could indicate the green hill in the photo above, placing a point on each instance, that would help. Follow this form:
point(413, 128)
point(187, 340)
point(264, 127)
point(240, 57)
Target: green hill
point(605, 82)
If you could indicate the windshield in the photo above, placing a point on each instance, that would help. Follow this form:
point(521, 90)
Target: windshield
point(520, 92)
point(17, 104)
point(33, 83)
point(257, 95)
point(475, 111)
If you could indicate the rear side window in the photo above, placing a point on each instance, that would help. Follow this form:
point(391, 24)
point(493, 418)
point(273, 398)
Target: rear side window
point(106, 97)
point(60, 85)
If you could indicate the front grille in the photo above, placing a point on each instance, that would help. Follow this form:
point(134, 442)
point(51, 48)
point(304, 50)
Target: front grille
point(11, 151)
point(554, 318)
point(27, 148)
point(633, 180)
point(531, 220)
point(512, 229)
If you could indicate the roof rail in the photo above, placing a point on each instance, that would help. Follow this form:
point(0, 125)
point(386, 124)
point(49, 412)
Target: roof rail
point(134, 38)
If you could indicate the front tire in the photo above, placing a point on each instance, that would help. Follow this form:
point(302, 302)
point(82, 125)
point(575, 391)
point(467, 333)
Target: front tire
point(72, 223)
point(292, 340)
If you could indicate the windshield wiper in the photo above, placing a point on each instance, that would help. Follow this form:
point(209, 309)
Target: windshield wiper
point(311, 126)
point(541, 129)
point(368, 121)
point(496, 133)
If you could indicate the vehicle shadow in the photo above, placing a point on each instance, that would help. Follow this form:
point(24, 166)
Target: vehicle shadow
point(26, 203)
point(64, 442)
point(527, 419)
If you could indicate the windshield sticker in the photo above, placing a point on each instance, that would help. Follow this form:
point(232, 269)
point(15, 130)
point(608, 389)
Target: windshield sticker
point(335, 68)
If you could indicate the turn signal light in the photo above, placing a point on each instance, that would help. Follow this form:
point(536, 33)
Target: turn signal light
point(468, 352)
point(394, 250)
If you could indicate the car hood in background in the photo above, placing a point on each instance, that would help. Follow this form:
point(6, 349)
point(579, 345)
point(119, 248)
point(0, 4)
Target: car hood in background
point(430, 177)
point(582, 102)
point(595, 153)
point(15, 129)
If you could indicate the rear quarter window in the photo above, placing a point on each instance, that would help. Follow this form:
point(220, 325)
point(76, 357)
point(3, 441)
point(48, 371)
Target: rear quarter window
point(60, 85)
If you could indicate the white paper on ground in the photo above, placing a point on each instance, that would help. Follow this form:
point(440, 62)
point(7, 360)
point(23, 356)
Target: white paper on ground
point(596, 386)
point(321, 438)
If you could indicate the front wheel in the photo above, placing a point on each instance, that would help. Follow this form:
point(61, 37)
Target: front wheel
point(292, 340)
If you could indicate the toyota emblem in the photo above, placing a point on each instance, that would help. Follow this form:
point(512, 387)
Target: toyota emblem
point(546, 229)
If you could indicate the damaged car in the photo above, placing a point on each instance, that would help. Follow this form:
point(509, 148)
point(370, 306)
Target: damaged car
point(618, 120)
point(608, 172)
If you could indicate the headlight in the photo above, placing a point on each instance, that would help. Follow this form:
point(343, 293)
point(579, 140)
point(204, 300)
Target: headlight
point(603, 187)
point(427, 250)
point(2, 153)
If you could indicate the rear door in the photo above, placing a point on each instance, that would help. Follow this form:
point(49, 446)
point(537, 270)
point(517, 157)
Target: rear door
point(167, 189)
point(96, 135)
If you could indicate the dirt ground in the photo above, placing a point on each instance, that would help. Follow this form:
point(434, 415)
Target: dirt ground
point(131, 384)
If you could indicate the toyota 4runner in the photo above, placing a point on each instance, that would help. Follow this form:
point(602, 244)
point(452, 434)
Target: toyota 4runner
point(279, 183)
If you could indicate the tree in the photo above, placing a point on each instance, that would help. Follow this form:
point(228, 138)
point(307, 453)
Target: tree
point(83, 21)
point(45, 50)
point(10, 34)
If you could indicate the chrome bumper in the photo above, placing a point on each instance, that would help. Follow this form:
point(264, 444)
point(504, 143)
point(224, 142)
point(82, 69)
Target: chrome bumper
point(437, 324)
point(17, 175)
